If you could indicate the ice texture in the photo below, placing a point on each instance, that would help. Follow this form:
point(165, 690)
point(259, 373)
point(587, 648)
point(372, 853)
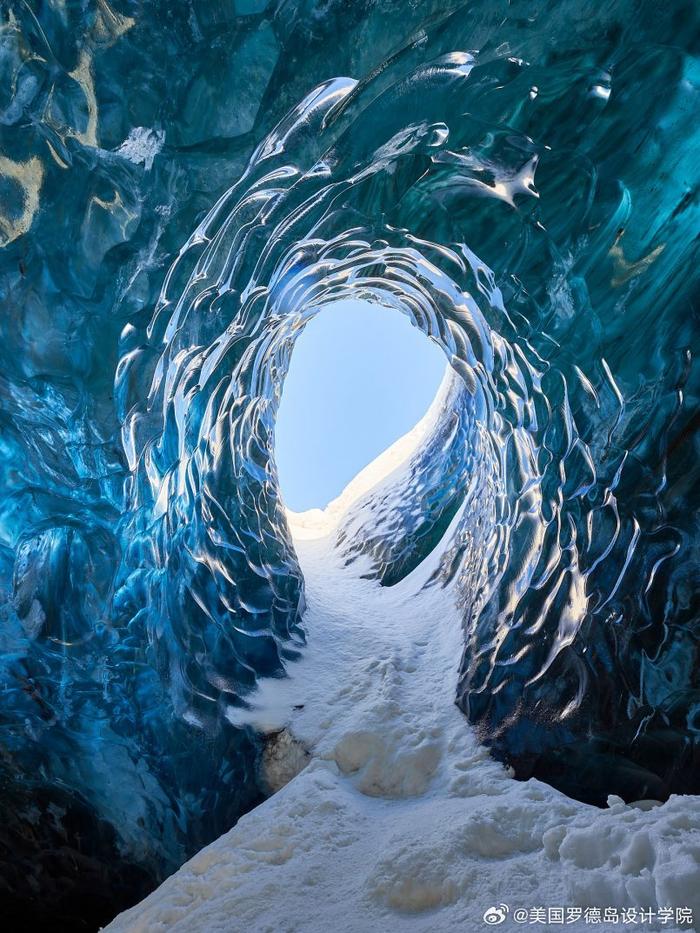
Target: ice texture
point(182, 187)
point(401, 821)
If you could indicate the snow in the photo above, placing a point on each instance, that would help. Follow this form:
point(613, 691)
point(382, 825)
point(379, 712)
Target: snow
point(319, 523)
point(141, 146)
point(390, 816)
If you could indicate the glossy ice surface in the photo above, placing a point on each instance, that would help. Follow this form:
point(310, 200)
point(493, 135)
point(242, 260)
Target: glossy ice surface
point(182, 186)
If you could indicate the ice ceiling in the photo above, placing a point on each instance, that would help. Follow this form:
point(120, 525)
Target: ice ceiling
point(180, 190)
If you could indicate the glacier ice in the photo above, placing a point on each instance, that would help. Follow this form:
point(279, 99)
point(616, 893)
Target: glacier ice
point(401, 821)
point(182, 187)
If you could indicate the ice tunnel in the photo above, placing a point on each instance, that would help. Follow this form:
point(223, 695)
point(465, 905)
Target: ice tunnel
point(530, 207)
point(359, 379)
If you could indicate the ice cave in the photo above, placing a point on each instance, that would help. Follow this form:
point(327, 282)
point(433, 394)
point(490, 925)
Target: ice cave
point(459, 688)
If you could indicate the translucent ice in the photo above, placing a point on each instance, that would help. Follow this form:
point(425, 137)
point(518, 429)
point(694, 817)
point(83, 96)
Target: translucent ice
point(525, 190)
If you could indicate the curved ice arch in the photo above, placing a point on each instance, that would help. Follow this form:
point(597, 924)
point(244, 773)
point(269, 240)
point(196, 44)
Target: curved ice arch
point(347, 216)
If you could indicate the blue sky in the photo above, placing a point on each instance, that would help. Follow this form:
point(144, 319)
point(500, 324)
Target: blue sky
point(360, 377)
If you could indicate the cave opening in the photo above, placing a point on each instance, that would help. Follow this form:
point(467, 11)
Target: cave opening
point(360, 377)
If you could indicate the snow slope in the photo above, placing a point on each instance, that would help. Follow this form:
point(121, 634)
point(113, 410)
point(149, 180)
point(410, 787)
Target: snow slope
point(400, 820)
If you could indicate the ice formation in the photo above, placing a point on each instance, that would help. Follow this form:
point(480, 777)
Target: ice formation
point(400, 820)
point(182, 187)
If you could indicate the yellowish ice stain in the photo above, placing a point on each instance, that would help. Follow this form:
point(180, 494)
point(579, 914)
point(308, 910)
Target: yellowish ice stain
point(115, 203)
point(29, 175)
point(109, 26)
point(624, 270)
point(56, 157)
point(117, 208)
point(12, 27)
point(84, 77)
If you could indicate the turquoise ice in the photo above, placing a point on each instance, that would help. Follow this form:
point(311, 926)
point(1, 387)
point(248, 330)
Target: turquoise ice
point(183, 185)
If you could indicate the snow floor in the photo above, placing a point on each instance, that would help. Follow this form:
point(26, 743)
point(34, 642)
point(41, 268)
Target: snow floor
point(400, 820)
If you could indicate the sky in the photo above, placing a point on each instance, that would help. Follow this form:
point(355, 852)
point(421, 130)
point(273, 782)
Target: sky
point(360, 377)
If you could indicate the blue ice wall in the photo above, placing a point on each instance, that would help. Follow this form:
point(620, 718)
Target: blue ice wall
point(182, 186)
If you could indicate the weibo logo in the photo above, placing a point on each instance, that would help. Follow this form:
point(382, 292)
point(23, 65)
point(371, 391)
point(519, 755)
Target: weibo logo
point(495, 915)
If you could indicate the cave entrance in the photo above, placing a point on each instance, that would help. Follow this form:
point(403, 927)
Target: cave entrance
point(360, 377)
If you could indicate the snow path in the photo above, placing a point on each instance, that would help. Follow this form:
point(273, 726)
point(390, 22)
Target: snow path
point(401, 821)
